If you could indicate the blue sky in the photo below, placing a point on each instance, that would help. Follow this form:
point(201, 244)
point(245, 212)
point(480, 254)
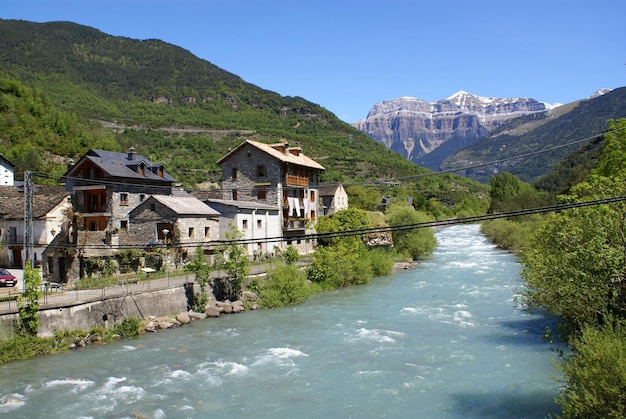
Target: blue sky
point(348, 55)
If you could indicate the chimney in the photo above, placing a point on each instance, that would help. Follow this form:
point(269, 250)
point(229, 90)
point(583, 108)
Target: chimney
point(131, 153)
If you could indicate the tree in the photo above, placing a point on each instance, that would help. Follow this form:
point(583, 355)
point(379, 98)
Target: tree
point(202, 270)
point(596, 373)
point(360, 197)
point(416, 242)
point(576, 264)
point(234, 259)
point(28, 302)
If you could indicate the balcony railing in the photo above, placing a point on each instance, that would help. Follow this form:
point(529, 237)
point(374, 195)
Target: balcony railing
point(294, 224)
point(293, 180)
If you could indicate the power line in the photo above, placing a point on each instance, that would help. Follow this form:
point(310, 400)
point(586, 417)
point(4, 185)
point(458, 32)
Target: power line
point(374, 230)
point(372, 182)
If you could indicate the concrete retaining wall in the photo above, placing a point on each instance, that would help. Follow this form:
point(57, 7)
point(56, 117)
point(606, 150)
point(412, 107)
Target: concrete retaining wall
point(84, 316)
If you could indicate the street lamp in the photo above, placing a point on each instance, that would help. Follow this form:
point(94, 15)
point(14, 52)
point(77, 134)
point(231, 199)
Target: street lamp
point(165, 233)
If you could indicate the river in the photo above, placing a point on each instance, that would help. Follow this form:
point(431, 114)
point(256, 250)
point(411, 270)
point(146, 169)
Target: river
point(444, 340)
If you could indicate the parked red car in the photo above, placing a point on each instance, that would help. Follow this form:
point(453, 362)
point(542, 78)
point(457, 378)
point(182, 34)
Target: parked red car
point(6, 279)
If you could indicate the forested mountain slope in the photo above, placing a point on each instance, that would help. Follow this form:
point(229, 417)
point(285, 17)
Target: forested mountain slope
point(170, 105)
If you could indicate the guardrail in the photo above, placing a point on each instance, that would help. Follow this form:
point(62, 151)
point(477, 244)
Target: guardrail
point(51, 297)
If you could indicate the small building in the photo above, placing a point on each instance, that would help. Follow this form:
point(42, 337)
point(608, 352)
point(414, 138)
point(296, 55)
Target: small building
point(7, 172)
point(259, 223)
point(334, 198)
point(48, 207)
point(182, 222)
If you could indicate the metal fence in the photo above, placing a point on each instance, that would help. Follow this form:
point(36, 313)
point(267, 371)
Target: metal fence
point(51, 297)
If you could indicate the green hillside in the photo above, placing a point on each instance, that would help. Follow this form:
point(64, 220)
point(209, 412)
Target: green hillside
point(529, 135)
point(170, 105)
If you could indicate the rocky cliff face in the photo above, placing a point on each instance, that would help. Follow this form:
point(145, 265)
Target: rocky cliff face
point(426, 132)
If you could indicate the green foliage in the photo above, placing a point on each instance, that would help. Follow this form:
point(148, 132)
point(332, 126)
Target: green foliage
point(284, 285)
point(291, 255)
point(364, 198)
point(202, 270)
point(128, 327)
point(596, 373)
point(513, 235)
point(343, 261)
point(128, 260)
point(28, 302)
point(611, 161)
point(24, 346)
point(577, 257)
point(381, 261)
point(99, 266)
point(342, 221)
point(508, 193)
point(233, 258)
point(416, 242)
point(340, 266)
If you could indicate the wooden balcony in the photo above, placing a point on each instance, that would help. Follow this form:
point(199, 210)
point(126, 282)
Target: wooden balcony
point(293, 180)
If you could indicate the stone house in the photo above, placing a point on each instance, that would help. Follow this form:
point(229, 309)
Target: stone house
point(7, 172)
point(48, 206)
point(259, 223)
point(106, 186)
point(333, 197)
point(180, 221)
point(279, 176)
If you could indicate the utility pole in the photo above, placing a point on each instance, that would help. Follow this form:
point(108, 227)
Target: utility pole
point(28, 218)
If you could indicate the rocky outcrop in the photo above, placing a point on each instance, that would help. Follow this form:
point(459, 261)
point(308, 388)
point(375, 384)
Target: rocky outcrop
point(416, 128)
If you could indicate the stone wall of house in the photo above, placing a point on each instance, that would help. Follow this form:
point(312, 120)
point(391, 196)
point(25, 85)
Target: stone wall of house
point(246, 162)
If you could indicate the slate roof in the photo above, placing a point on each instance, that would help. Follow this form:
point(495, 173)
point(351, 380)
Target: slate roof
point(274, 150)
point(328, 189)
point(185, 205)
point(45, 198)
point(241, 204)
point(119, 165)
point(7, 161)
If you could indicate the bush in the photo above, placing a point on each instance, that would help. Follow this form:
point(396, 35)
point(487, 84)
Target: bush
point(284, 286)
point(127, 328)
point(381, 261)
point(596, 374)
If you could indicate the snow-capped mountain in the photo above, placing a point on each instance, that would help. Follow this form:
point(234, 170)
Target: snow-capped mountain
point(416, 128)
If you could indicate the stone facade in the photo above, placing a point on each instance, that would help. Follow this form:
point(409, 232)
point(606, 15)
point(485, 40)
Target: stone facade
point(280, 176)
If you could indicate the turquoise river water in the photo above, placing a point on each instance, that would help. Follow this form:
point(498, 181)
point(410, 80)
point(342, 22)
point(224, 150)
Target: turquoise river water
point(444, 340)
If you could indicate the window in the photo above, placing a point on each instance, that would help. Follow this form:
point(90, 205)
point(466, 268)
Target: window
point(261, 193)
point(124, 224)
point(244, 224)
point(259, 224)
point(191, 229)
point(234, 173)
point(260, 171)
point(123, 199)
point(234, 194)
point(142, 197)
point(207, 231)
